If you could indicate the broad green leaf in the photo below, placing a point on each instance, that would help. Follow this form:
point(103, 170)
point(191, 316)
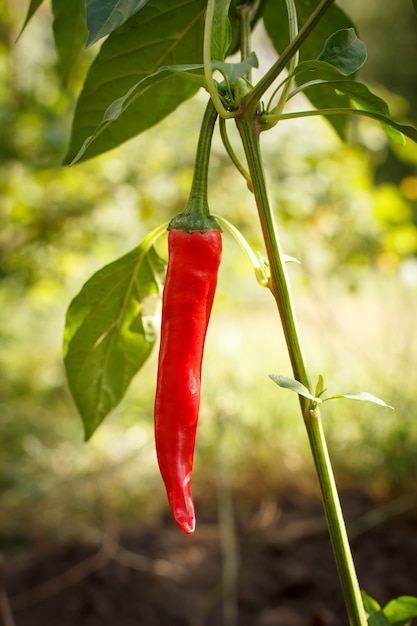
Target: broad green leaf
point(345, 51)
point(104, 17)
point(160, 35)
point(70, 31)
point(119, 106)
point(275, 15)
point(188, 72)
point(369, 604)
point(363, 396)
point(316, 70)
point(110, 332)
point(415, 5)
point(293, 385)
point(33, 7)
point(401, 610)
point(221, 34)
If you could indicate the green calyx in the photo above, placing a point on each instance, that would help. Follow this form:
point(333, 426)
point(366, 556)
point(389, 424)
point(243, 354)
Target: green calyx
point(196, 216)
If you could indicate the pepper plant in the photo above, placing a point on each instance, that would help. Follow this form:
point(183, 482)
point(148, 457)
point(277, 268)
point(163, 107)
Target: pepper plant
point(157, 54)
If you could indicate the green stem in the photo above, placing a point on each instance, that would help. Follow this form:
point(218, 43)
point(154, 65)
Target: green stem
point(279, 278)
point(232, 154)
point(280, 289)
point(261, 272)
point(211, 85)
point(267, 80)
point(245, 12)
point(196, 215)
point(268, 119)
point(293, 31)
point(335, 520)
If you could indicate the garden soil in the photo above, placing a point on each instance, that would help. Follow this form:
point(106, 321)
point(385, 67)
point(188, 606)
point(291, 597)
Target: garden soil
point(275, 564)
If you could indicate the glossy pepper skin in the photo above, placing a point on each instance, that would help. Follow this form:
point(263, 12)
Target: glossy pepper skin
point(193, 261)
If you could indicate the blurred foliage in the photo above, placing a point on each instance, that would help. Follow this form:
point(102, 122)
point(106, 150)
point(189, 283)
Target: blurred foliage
point(354, 231)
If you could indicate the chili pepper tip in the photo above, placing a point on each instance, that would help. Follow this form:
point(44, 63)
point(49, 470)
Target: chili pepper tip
point(182, 509)
point(186, 524)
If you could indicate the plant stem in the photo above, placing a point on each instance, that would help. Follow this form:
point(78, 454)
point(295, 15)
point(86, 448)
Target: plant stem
point(293, 31)
point(211, 85)
point(196, 215)
point(229, 149)
point(292, 48)
point(279, 285)
point(335, 520)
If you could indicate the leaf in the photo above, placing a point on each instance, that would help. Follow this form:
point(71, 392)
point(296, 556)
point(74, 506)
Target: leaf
point(70, 31)
point(189, 72)
point(320, 389)
point(293, 385)
point(401, 610)
point(109, 333)
point(378, 619)
point(233, 71)
point(104, 17)
point(221, 35)
point(275, 15)
point(363, 396)
point(316, 69)
point(33, 7)
point(415, 5)
point(162, 34)
point(369, 604)
point(345, 51)
point(119, 106)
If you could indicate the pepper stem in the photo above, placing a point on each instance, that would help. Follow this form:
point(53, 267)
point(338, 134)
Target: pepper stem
point(196, 215)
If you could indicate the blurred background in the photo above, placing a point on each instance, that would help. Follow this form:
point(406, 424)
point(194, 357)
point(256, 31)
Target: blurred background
point(347, 212)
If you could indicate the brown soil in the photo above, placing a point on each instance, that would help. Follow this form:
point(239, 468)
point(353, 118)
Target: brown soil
point(155, 575)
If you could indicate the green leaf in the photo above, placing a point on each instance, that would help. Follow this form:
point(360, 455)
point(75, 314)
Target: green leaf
point(70, 31)
point(233, 71)
point(378, 619)
point(316, 69)
point(369, 604)
point(293, 385)
point(104, 17)
point(33, 7)
point(275, 15)
point(221, 34)
point(363, 396)
point(415, 5)
point(401, 610)
point(162, 34)
point(119, 106)
point(189, 72)
point(345, 51)
point(320, 389)
point(110, 332)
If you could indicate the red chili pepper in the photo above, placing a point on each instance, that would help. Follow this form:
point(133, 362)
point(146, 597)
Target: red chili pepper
point(188, 295)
